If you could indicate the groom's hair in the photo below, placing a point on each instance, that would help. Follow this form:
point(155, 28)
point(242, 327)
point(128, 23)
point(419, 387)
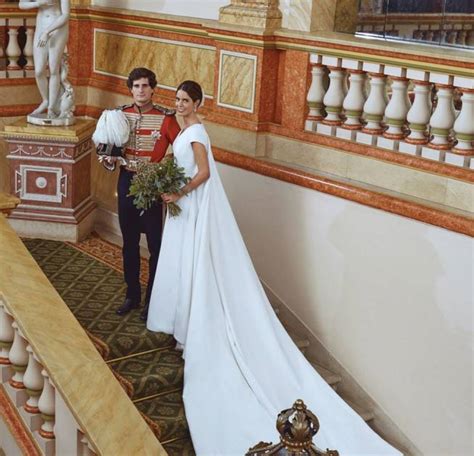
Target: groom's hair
point(138, 73)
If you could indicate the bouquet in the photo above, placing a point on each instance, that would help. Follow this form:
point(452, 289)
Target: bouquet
point(153, 179)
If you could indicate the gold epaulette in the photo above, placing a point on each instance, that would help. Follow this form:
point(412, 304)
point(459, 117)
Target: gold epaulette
point(165, 111)
point(126, 106)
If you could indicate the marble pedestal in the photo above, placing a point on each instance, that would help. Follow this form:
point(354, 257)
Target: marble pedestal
point(50, 171)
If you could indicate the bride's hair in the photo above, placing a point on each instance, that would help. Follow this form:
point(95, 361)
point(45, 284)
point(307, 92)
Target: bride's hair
point(193, 89)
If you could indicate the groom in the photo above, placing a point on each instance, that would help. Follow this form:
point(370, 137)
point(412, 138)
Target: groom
point(152, 129)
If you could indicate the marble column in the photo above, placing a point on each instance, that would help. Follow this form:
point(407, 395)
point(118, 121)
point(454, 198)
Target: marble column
point(254, 13)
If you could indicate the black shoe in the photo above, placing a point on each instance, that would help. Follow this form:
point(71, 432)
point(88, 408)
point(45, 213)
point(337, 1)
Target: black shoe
point(144, 312)
point(127, 306)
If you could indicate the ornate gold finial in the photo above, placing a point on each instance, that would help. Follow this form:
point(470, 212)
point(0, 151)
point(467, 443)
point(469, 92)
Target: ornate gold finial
point(297, 427)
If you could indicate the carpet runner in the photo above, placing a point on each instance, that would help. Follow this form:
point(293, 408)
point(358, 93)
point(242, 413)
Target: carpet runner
point(88, 277)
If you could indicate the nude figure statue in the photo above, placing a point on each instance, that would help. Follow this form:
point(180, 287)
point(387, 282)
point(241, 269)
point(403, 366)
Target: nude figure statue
point(51, 35)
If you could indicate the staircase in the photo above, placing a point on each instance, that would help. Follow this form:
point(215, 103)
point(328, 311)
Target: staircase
point(330, 377)
point(146, 364)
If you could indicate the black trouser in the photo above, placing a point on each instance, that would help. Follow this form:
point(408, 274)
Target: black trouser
point(131, 225)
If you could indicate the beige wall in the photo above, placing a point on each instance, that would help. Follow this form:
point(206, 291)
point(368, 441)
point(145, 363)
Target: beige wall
point(389, 297)
point(207, 9)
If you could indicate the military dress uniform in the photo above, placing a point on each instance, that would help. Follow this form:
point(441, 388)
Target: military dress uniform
point(151, 133)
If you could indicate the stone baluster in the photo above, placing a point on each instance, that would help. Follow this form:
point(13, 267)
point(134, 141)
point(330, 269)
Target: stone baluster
point(419, 114)
point(462, 37)
point(33, 381)
point(442, 119)
point(429, 35)
point(464, 124)
point(28, 49)
point(6, 335)
point(13, 50)
point(18, 358)
point(397, 109)
point(442, 36)
point(354, 101)
point(375, 105)
point(315, 96)
point(3, 23)
point(334, 96)
point(87, 449)
point(470, 38)
point(451, 37)
point(46, 406)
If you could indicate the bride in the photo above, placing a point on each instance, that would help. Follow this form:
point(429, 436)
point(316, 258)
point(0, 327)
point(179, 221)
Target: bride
point(241, 367)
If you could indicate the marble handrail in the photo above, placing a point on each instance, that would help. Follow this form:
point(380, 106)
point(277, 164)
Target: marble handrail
point(55, 360)
point(402, 108)
point(8, 202)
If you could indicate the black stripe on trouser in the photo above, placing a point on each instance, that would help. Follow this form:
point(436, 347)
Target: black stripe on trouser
point(132, 224)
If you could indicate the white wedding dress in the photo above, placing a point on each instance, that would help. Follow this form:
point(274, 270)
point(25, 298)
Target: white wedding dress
point(241, 367)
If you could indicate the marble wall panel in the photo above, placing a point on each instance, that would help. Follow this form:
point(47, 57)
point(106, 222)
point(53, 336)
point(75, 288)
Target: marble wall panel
point(324, 15)
point(118, 53)
point(15, 95)
point(237, 80)
point(299, 15)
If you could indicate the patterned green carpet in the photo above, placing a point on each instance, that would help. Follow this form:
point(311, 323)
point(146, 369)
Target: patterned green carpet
point(93, 290)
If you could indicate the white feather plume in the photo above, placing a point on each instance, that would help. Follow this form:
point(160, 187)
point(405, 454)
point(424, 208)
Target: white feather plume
point(112, 128)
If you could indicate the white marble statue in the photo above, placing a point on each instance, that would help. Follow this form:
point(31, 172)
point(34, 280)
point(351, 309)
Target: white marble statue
point(51, 35)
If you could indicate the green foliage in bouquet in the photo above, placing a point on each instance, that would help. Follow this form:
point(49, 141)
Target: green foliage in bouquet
point(153, 179)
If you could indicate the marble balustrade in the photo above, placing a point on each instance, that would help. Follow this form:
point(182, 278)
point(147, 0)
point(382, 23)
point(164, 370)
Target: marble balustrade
point(56, 391)
point(406, 110)
point(16, 54)
point(31, 390)
point(451, 29)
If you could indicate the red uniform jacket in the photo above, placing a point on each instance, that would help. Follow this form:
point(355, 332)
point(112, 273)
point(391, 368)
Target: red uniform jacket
point(151, 133)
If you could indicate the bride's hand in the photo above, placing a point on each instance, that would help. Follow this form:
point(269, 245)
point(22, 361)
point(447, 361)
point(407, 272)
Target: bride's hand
point(170, 197)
